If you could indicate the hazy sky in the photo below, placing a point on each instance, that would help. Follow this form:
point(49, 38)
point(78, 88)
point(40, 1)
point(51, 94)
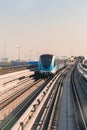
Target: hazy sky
point(43, 26)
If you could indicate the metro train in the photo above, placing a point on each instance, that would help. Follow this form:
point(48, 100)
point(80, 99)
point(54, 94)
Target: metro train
point(50, 64)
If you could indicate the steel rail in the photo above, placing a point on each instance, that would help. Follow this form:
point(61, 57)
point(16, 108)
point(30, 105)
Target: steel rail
point(43, 119)
point(53, 123)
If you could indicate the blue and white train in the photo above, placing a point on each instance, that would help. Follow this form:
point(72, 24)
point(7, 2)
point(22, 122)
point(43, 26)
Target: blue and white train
point(50, 64)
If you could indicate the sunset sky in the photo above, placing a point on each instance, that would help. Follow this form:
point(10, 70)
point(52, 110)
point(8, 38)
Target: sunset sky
point(43, 26)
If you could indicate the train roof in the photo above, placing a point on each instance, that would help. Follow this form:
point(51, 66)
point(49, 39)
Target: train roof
point(46, 55)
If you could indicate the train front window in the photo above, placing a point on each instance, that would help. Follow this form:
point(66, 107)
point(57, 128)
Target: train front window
point(46, 60)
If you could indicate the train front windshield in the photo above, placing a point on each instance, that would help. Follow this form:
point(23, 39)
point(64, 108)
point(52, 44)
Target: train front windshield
point(46, 60)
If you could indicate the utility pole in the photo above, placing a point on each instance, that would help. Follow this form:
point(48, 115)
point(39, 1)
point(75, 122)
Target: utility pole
point(19, 52)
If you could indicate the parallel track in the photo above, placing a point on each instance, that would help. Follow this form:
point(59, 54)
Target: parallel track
point(12, 97)
point(15, 115)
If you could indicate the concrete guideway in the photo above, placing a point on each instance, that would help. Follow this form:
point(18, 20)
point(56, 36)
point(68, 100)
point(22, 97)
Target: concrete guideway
point(67, 120)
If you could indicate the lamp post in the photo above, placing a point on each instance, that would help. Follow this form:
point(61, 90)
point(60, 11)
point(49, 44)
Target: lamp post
point(19, 53)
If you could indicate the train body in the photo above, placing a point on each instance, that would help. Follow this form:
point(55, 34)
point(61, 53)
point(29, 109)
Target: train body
point(50, 64)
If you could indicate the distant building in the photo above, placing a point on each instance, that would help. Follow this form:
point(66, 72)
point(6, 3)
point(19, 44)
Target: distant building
point(4, 59)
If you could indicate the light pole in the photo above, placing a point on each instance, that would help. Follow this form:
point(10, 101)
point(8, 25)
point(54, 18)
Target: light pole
point(19, 53)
